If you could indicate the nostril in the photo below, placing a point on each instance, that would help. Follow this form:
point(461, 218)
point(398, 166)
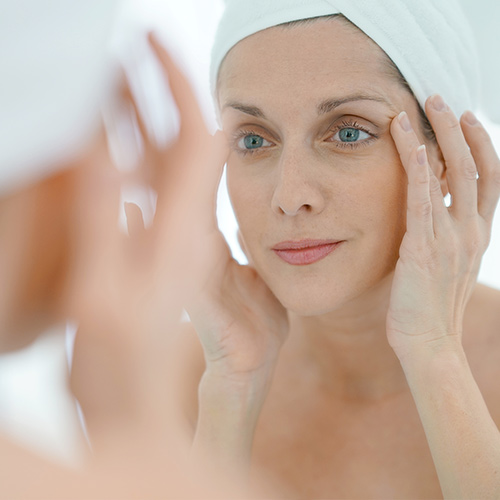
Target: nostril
point(293, 212)
point(288, 212)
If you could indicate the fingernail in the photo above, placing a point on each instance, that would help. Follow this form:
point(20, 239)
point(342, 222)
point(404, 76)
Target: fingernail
point(470, 118)
point(438, 103)
point(404, 121)
point(422, 155)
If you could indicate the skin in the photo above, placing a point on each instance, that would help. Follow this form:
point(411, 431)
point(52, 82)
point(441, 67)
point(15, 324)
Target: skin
point(33, 261)
point(126, 293)
point(315, 187)
point(371, 375)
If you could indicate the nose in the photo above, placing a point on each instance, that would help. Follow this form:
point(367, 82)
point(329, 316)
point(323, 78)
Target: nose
point(298, 188)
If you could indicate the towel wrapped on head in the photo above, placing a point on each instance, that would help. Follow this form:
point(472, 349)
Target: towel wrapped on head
point(430, 41)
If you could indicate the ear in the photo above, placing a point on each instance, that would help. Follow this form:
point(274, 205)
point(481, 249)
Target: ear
point(438, 166)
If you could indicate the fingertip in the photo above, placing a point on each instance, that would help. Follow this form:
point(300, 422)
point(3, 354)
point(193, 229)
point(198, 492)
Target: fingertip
point(437, 103)
point(469, 118)
point(404, 122)
point(157, 45)
point(152, 37)
point(422, 155)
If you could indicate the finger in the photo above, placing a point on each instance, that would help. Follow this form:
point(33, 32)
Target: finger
point(192, 204)
point(188, 218)
point(461, 171)
point(488, 164)
point(419, 217)
point(192, 121)
point(191, 184)
point(405, 138)
point(128, 97)
point(414, 159)
point(440, 216)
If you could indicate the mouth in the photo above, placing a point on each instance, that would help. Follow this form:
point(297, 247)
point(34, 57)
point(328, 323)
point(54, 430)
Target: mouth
point(305, 252)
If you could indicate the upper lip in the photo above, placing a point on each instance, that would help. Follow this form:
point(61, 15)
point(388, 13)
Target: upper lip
point(303, 244)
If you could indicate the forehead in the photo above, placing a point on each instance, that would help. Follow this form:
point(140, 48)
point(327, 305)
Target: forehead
point(305, 62)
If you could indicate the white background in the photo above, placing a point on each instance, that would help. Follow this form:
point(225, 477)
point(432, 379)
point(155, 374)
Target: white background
point(34, 406)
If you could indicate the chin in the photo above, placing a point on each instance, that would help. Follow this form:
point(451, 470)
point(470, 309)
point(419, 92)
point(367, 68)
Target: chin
point(307, 301)
point(327, 297)
point(307, 308)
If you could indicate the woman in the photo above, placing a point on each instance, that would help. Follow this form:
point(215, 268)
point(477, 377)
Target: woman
point(355, 355)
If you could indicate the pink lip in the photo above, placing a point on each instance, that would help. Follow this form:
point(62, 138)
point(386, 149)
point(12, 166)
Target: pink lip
point(304, 252)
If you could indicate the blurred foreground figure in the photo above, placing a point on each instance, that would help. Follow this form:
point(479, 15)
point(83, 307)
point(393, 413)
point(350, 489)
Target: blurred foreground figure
point(63, 256)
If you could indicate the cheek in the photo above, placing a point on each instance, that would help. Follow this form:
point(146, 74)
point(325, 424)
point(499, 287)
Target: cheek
point(384, 210)
point(250, 196)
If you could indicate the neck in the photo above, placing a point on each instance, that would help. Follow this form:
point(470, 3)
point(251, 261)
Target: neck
point(347, 349)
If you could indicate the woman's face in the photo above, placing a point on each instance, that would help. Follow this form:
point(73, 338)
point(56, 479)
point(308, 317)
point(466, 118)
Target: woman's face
point(314, 176)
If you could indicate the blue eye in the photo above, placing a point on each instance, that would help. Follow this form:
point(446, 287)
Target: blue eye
point(252, 142)
point(350, 134)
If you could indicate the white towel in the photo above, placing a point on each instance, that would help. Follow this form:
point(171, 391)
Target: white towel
point(54, 70)
point(430, 41)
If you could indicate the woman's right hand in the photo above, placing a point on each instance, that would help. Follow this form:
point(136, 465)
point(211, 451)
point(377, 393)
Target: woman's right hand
point(240, 323)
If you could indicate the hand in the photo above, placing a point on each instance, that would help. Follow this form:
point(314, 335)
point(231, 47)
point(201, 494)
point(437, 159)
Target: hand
point(128, 290)
point(442, 249)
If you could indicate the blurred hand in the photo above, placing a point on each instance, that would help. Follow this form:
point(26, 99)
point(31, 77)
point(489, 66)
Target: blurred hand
point(129, 290)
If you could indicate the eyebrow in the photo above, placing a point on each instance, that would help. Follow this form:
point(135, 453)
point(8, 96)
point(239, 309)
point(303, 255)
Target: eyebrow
point(325, 107)
point(249, 110)
point(330, 104)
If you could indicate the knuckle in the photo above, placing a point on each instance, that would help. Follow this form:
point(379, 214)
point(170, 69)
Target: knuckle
point(453, 124)
point(422, 209)
point(421, 177)
point(467, 166)
point(435, 186)
point(482, 136)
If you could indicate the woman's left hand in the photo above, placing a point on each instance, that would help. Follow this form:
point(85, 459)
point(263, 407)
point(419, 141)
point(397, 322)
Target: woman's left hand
point(442, 249)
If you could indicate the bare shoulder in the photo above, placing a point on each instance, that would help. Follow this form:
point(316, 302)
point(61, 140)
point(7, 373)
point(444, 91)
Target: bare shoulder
point(188, 369)
point(482, 343)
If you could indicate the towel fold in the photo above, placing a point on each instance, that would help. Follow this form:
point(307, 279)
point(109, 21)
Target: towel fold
point(430, 41)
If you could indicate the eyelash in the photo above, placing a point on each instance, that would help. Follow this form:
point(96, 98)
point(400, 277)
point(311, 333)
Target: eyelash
point(345, 124)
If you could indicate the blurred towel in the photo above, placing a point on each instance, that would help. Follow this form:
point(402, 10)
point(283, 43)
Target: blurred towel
point(430, 41)
point(54, 72)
